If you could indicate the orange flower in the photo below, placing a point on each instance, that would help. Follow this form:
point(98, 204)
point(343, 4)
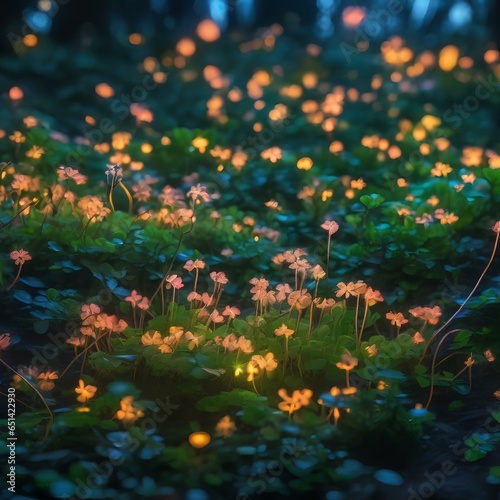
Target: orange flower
point(128, 412)
point(225, 427)
point(294, 402)
point(417, 338)
point(348, 361)
point(351, 288)
point(86, 391)
point(283, 330)
point(373, 296)
point(427, 314)
point(396, 319)
point(46, 378)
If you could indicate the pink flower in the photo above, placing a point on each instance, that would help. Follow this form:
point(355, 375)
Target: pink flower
point(283, 290)
point(331, 226)
point(143, 304)
point(216, 317)
point(89, 310)
point(496, 227)
point(193, 296)
point(198, 192)
point(174, 281)
point(134, 298)
point(20, 256)
point(71, 173)
point(219, 277)
point(197, 264)
point(232, 312)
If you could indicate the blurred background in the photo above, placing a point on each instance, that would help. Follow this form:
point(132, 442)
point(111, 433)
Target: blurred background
point(79, 21)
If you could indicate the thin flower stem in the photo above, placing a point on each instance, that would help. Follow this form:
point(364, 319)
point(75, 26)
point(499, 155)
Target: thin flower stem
point(459, 373)
point(129, 196)
point(310, 322)
point(363, 323)
point(433, 365)
point(439, 330)
point(85, 350)
point(165, 276)
point(51, 415)
point(358, 298)
point(16, 278)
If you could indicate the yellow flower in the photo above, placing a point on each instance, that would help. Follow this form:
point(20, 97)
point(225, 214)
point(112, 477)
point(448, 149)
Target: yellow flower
point(128, 413)
point(155, 339)
point(294, 402)
point(17, 137)
point(36, 152)
point(86, 391)
point(441, 169)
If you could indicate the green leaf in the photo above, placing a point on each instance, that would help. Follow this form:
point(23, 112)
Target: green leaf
point(53, 294)
point(472, 455)
point(237, 397)
point(372, 201)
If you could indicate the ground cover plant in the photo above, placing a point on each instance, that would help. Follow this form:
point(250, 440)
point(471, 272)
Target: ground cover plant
point(247, 267)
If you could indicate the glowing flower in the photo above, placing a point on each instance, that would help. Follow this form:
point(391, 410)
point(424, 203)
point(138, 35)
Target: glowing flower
point(371, 350)
point(297, 400)
point(20, 256)
point(441, 169)
point(273, 154)
point(198, 192)
point(128, 412)
point(225, 427)
point(85, 392)
point(36, 152)
point(17, 137)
